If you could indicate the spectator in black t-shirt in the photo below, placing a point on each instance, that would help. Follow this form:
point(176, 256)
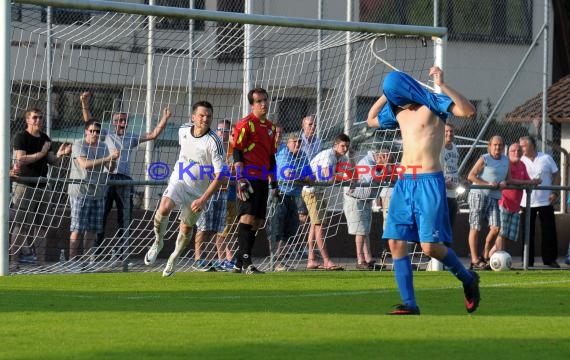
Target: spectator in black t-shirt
point(32, 154)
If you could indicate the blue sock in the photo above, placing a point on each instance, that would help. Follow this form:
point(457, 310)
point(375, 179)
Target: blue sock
point(405, 280)
point(456, 267)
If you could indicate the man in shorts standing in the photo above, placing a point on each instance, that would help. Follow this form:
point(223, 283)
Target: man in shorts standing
point(324, 167)
point(224, 242)
point(510, 202)
point(196, 176)
point(418, 208)
point(91, 158)
point(212, 221)
point(358, 198)
point(491, 169)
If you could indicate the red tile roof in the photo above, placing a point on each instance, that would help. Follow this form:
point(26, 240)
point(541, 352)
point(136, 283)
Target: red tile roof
point(558, 105)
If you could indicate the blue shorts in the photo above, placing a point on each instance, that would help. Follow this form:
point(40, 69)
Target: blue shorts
point(418, 210)
point(401, 89)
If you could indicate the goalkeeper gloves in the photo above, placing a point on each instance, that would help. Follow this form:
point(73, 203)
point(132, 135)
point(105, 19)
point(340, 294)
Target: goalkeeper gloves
point(244, 189)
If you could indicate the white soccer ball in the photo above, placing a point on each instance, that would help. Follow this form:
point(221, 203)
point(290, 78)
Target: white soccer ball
point(500, 261)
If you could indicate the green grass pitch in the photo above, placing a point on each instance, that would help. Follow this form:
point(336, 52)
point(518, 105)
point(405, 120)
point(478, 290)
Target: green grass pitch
point(302, 315)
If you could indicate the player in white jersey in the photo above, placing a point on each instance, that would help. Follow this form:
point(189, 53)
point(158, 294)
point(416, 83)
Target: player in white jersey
point(195, 177)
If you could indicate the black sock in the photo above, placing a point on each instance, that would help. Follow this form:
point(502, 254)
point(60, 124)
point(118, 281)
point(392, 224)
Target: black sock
point(244, 248)
point(250, 242)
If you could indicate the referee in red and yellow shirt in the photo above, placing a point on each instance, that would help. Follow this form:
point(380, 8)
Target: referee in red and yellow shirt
point(254, 162)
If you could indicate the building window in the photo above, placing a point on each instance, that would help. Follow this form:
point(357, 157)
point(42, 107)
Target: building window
point(230, 35)
point(500, 21)
point(363, 105)
point(16, 12)
point(67, 16)
point(494, 21)
point(102, 105)
point(167, 23)
point(291, 110)
point(403, 12)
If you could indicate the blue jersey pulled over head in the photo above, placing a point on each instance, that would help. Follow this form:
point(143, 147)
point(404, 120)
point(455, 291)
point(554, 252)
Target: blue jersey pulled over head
point(401, 89)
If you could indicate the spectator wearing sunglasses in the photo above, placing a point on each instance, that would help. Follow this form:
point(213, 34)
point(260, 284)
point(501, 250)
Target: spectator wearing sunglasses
point(124, 141)
point(91, 158)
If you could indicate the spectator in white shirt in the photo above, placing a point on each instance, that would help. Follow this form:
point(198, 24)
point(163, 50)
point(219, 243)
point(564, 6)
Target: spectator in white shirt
point(541, 166)
point(323, 167)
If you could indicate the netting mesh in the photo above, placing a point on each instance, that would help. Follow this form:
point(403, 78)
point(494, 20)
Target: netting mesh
point(107, 54)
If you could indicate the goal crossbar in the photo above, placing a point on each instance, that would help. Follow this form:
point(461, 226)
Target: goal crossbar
point(142, 9)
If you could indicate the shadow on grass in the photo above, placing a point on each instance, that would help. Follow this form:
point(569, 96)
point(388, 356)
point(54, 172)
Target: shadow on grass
point(318, 348)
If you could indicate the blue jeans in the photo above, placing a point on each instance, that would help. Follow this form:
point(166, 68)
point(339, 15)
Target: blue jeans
point(285, 221)
point(123, 199)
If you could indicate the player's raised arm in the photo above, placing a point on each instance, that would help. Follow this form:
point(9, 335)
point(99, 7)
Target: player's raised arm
point(372, 119)
point(461, 106)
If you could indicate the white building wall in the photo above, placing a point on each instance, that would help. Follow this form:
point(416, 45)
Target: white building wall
point(481, 71)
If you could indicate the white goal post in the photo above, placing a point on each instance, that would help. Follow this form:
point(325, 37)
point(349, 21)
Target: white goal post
point(145, 69)
point(5, 150)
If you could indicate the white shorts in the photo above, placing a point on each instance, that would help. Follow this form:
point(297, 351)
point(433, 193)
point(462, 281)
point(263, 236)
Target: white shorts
point(180, 193)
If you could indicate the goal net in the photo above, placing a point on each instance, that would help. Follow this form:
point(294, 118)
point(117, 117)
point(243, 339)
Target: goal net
point(332, 76)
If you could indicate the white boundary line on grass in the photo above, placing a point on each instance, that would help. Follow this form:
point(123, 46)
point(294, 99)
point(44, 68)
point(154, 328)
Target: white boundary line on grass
point(320, 294)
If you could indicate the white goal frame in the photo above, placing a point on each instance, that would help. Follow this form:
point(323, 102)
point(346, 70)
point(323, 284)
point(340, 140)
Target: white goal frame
point(141, 9)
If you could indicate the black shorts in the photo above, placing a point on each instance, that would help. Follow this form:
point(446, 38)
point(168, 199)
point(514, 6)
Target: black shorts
point(256, 205)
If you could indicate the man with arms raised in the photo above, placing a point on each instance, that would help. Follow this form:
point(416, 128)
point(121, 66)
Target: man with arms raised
point(124, 141)
point(418, 209)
